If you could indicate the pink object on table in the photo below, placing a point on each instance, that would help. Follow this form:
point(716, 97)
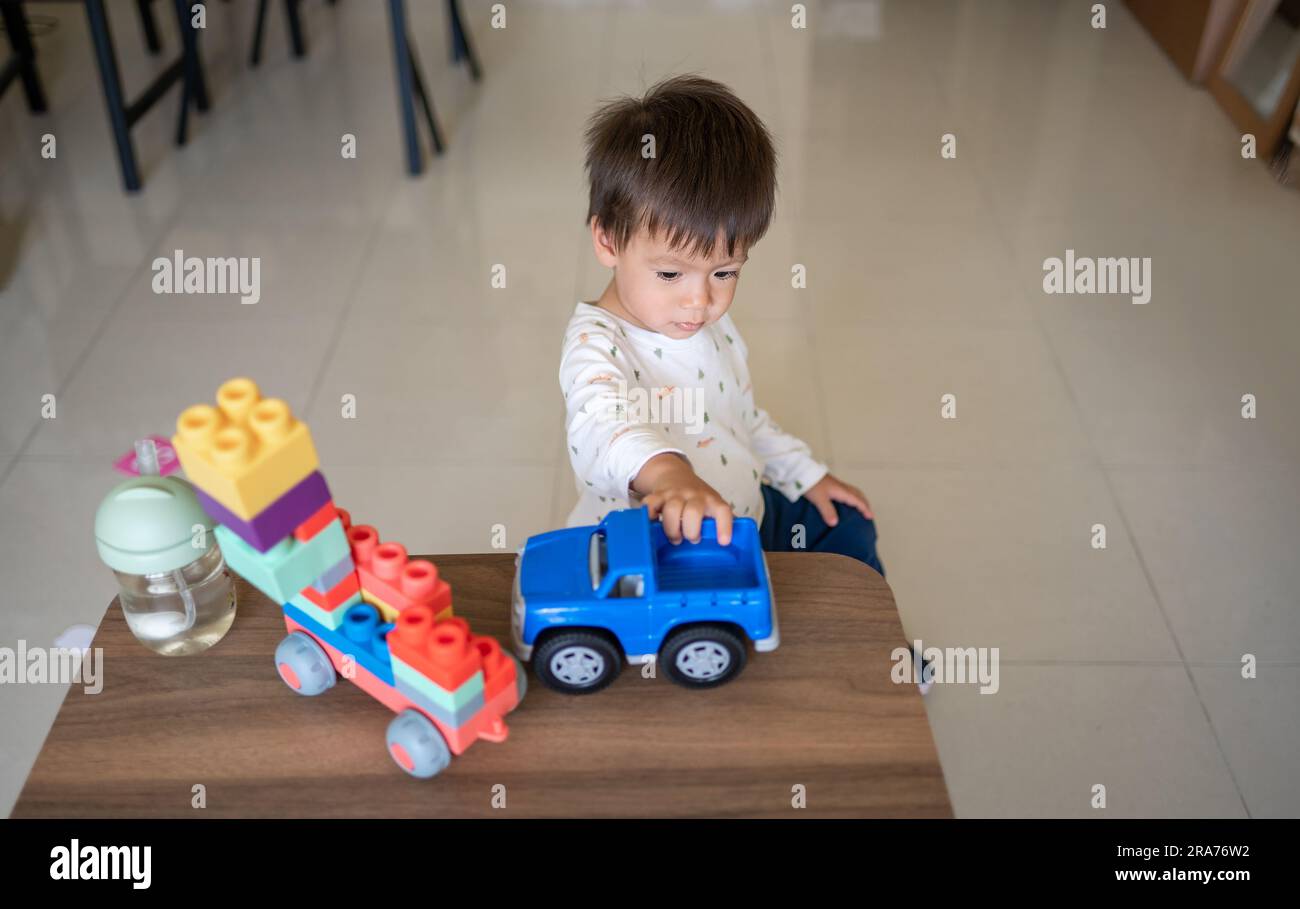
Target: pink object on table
point(167, 460)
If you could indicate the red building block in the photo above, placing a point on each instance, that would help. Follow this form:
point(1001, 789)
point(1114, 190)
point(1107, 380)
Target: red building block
point(441, 651)
point(392, 577)
point(337, 594)
point(498, 669)
point(316, 523)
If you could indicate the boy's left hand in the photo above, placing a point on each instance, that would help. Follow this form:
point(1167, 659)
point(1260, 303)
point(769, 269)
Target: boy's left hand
point(828, 490)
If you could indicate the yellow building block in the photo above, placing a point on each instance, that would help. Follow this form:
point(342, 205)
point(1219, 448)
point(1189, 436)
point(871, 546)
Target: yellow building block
point(247, 451)
point(389, 613)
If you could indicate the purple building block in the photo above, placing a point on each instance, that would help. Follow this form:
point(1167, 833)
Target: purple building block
point(277, 520)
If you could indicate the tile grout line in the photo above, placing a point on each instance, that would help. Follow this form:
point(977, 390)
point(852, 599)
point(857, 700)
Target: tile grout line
point(1191, 677)
point(806, 319)
point(1096, 461)
point(1200, 664)
point(1019, 464)
point(580, 262)
point(145, 265)
point(603, 71)
point(340, 323)
point(602, 79)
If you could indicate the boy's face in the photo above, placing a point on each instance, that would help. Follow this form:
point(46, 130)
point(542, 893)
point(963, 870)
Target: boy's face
point(666, 291)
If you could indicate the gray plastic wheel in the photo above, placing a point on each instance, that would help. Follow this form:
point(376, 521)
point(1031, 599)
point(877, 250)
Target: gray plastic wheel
point(416, 745)
point(304, 665)
point(703, 656)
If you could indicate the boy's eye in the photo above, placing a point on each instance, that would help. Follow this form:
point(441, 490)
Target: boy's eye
point(725, 275)
point(667, 275)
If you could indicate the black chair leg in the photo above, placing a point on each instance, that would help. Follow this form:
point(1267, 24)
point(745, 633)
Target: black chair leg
point(425, 100)
point(149, 25)
point(258, 31)
point(20, 39)
point(195, 83)
point(295, 28)
point(111, 79)
point(405, 80)
point(460, 46)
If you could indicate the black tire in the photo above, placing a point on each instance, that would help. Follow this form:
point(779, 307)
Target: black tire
point(602, 659)
point(715, 645)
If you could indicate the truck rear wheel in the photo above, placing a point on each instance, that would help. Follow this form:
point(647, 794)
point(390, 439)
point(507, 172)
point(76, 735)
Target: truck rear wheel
point(577, 662)
point(703, 656)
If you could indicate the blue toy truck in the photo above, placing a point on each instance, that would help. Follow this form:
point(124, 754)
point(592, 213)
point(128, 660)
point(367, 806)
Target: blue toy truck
point(586, 598)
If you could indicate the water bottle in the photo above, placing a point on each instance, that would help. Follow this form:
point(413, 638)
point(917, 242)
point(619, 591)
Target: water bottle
point(175, 591)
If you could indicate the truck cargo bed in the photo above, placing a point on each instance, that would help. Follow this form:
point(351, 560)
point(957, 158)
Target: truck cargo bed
point(708, 567)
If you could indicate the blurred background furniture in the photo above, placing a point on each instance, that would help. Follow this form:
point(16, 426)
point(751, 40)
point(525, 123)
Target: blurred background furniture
point(22, 64)
point(187, 69)
point(1191, 32)
point(410, 79)
point(122, 114)
point(1257, 81)
point(293, 18)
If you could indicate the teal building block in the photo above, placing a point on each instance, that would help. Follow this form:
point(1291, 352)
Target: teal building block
point(449, 700)
point(288, 566)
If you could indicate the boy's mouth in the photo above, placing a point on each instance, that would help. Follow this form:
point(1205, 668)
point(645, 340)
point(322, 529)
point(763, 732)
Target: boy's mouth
point(689, 326)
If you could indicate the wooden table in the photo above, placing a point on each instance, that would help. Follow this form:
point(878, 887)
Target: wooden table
point(821, 712)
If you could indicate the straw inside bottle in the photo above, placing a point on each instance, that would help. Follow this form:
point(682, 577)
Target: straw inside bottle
point(146, 458)
point(146, 464)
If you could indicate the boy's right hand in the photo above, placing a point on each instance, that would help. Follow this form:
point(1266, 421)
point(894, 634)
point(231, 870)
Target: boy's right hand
point(675, 495)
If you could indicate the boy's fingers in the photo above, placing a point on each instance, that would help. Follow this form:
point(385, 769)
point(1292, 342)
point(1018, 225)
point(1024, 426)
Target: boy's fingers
point(693, 520)
point(826, 508)
point(722, 517)
point(858, 501)
point(863, 504)
point(652, 503)
point(671, 516)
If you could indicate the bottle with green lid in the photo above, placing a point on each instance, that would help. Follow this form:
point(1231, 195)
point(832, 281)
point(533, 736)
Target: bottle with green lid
point(175, 591)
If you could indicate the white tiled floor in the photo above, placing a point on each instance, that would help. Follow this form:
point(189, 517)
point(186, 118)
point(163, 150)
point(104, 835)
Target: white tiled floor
point(1119, 666)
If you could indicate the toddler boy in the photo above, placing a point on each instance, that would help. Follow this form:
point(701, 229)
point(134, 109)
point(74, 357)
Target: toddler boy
point(660, 407)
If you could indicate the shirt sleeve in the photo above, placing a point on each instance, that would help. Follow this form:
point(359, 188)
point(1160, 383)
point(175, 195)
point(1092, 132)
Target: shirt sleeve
point(788, 461)
point(606, 448)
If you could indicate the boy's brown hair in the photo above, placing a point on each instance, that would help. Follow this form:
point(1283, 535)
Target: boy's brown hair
point(714, 167)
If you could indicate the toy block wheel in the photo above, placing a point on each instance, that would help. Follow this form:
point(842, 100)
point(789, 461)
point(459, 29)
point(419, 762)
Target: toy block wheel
point(304, 665)
point(577, 662)
point(416, 745)
point(703, 656)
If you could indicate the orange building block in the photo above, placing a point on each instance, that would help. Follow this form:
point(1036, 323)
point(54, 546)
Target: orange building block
point(441, 651)
point(389, 578)
point(498, 669)
point(316, 523)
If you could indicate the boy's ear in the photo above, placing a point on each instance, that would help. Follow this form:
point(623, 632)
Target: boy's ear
point(601, 244)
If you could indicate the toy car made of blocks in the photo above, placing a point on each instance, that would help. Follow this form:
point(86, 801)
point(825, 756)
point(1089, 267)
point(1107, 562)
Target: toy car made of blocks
point(353, 606)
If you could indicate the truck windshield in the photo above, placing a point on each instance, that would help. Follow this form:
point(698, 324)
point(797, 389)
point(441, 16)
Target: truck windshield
point(598, 558)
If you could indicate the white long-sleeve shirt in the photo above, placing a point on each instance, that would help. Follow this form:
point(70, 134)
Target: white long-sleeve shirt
point(631, 394)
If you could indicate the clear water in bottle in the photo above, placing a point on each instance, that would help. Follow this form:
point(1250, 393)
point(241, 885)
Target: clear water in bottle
point(157, 611)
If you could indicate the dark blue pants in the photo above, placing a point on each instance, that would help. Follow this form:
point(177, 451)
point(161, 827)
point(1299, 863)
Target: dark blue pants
point(854, 536)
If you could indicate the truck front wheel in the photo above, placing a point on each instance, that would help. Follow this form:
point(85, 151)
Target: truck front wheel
point(577, 662)
point(703, 656)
